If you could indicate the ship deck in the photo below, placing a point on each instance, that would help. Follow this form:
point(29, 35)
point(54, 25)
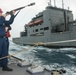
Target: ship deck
point(16, 70)
point(19, 71)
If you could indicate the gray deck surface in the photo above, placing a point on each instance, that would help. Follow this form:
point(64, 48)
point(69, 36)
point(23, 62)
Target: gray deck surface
point(19, 71)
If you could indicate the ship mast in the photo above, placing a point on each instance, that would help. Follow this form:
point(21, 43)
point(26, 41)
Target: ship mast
point(62, 4)
point(50, 3)
point(54, 3)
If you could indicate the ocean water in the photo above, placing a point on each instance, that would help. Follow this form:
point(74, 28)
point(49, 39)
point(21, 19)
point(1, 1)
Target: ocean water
point(61, 58)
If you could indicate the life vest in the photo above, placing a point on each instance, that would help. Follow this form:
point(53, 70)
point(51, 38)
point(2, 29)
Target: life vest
point(7, 34)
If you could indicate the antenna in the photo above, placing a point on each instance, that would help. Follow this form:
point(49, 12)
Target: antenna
point(54, 3)
point(62, 4)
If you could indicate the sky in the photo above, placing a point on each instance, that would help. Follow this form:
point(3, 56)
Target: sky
point(28, 13)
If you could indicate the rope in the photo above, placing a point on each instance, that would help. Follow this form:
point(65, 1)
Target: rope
point(21, 50)
point(66, 41)
point(39, 43)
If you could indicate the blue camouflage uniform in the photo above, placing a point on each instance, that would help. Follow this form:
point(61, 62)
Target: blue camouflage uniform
point(3, 42)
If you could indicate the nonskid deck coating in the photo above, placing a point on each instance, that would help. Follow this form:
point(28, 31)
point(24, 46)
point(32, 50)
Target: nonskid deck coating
point(19, 71)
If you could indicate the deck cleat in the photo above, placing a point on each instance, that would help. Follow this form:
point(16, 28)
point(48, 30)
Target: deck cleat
point(36, 70)
point(24, 63)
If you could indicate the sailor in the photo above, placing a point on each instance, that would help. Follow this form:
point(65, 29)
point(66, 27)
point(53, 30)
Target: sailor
point(3, 42)
point(8, 28)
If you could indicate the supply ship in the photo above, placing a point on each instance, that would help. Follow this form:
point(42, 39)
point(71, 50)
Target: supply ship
point(49, 26)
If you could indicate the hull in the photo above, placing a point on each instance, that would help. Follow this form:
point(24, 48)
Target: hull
point(52, 27)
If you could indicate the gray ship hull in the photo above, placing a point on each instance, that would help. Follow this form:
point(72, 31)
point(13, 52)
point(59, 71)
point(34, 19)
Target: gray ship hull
point(51, 25)
point(60, 39)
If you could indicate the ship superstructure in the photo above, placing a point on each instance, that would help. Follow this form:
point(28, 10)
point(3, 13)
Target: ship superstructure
point(51, 25)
